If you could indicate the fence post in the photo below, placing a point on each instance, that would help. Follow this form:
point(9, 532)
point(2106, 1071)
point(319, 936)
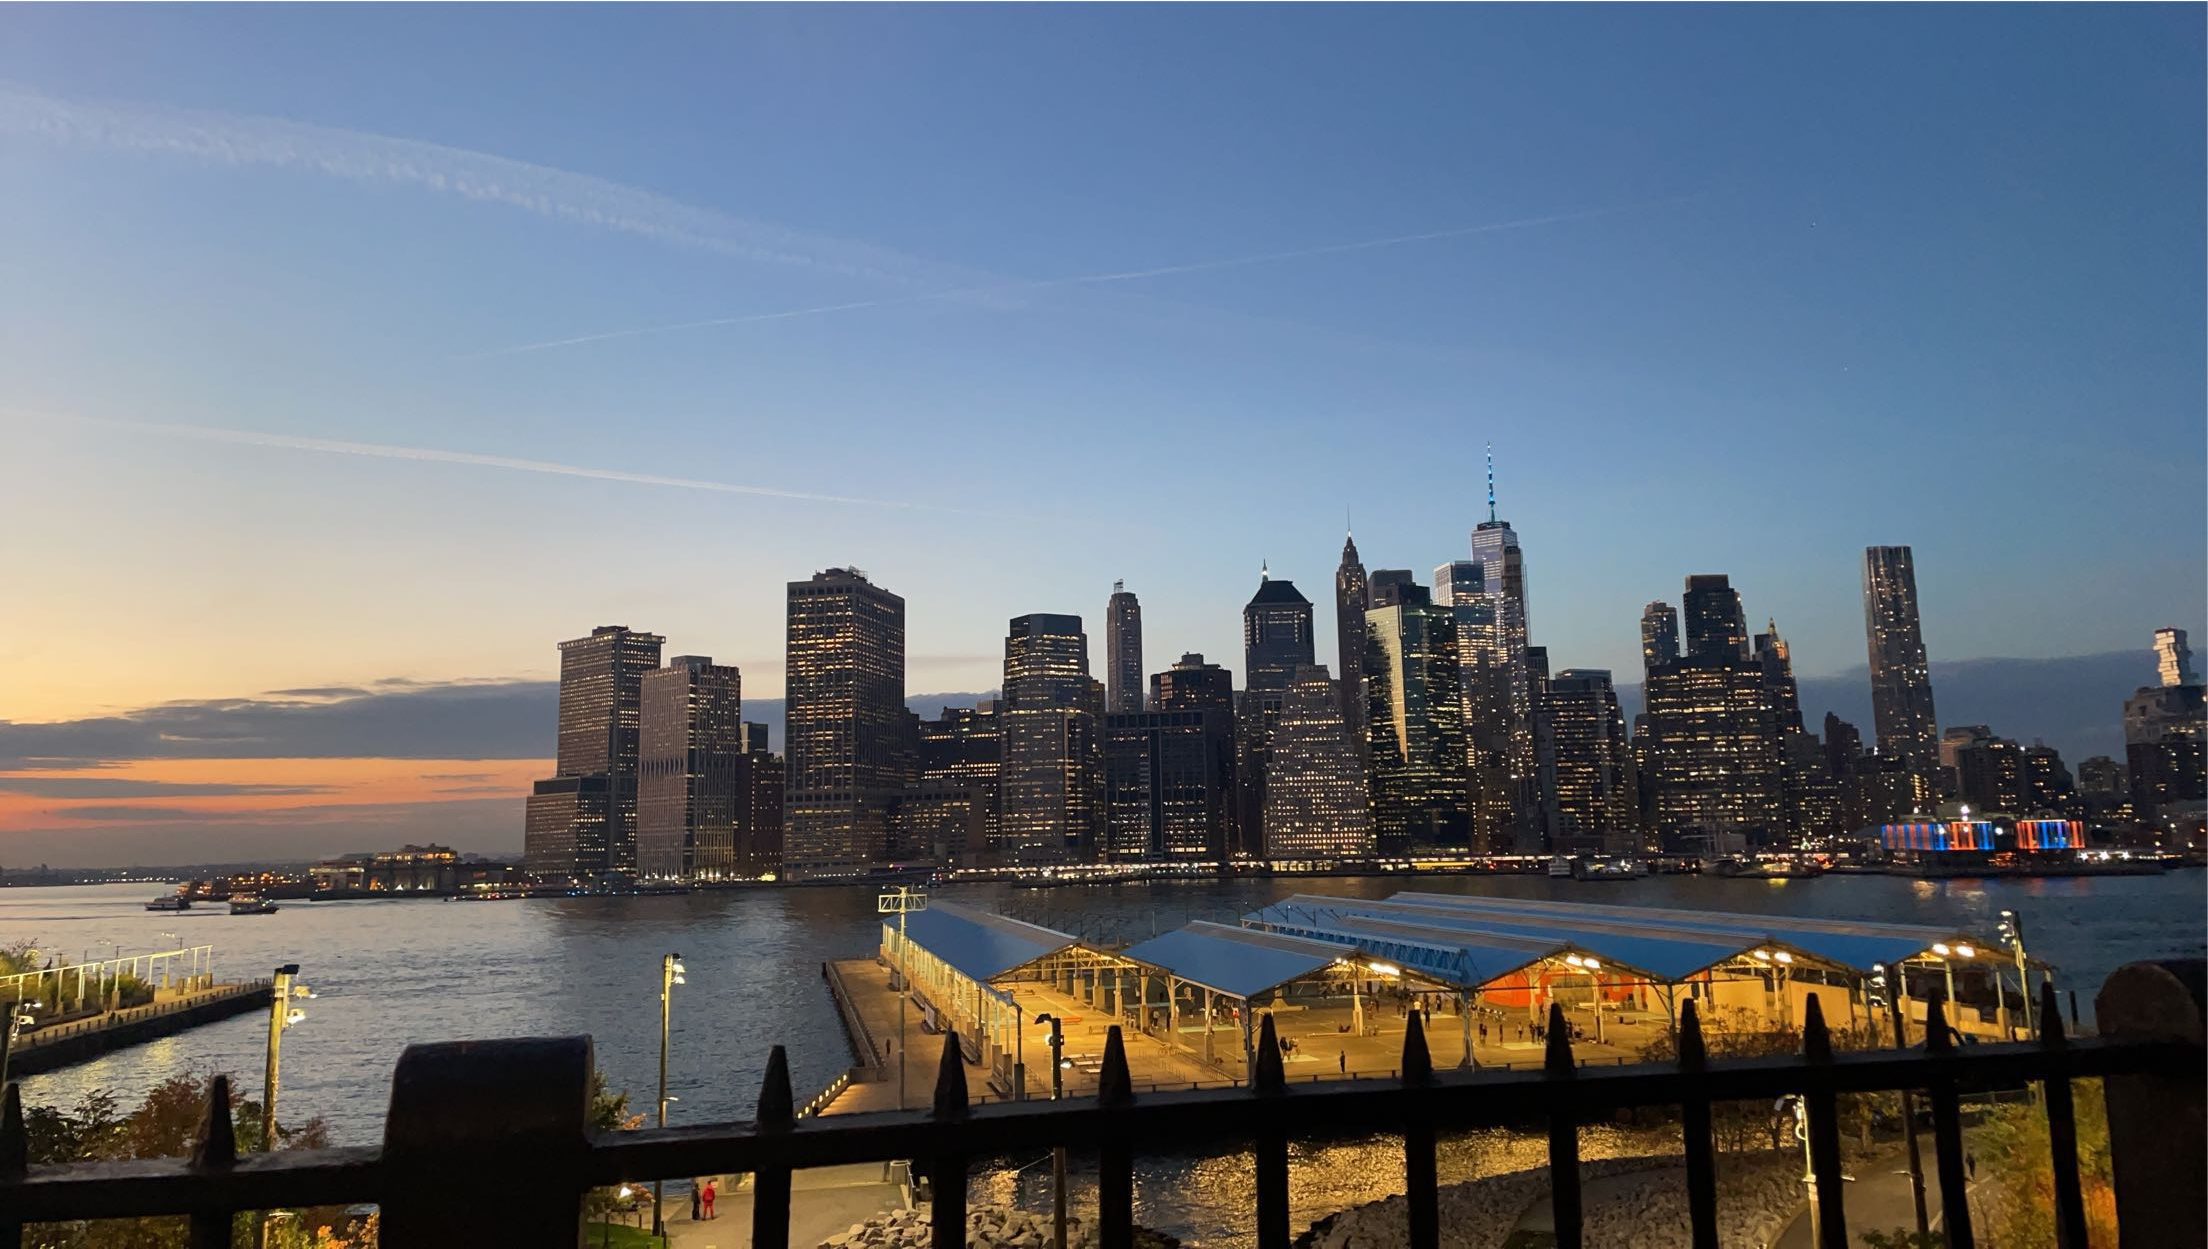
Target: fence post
point(15, 1151)
point(1271, 1147)
point(1115, 1171)
point(770, 1185)
point(1694, 1123)
point(1421, 1178)
point(947, 1169)
point(216, 1150)
point(2156, 1122)
point(486, 1143)
point(1564, 1194)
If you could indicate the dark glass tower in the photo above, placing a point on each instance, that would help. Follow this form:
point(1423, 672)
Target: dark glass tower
point(1596, 800)
point(1503, 576)
point(1715, 626)
point(1123, 651)
point(1659, 635)
point(1485, 669)
point(848, 736)
point(1052, 779)
point(588, 828)
point(1415, 707)
point(689, 798)
point(1352, 595)
point(1778, 678)
point(1901, 677)
point(1276, 645)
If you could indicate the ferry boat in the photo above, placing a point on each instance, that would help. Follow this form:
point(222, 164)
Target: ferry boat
point(251, 904)
point(170, 902)
point(1560, 868)
point(1776, 867)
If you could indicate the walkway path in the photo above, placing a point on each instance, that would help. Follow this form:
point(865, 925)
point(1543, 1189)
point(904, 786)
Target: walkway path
point(1878, 1201)
point(823, 1202)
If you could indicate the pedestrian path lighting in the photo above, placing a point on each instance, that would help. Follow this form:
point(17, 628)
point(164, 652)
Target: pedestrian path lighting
point(901, 901)
point(670, 975)
point(2012, 936)
point(282, 1015)
point(19, 1018)
point(1058, 1065)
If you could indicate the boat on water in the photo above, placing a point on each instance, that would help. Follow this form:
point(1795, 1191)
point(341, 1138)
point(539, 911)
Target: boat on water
point(251, 904)
point(170, 902)
point(1560, 868)
point(1775, 867)
point(1605, 867)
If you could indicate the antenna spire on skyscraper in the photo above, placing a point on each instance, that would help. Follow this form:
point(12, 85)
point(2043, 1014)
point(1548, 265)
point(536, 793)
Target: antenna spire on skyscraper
point(1264, 570)
point(1491, 481)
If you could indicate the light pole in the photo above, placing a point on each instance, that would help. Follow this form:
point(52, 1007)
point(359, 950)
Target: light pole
point(19, 1018)
point(1800, 1107)
point(281, 1015)
point(1058, 1153)
point(670, 975)
point(2012, 932)
point(902, 901)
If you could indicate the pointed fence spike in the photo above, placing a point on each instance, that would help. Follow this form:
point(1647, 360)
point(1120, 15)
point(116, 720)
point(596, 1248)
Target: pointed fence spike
point(1558, 1060)
point(1693, 1054)
point(1269, 1077)
point(2050, 1016)
point(777, 1109)
point(1418, 1063)
point(950, 1079)
point(15, 1143)
point(218, 1138)
point(1816, 1038)
point(1115, 1085)
point(1937, 1039)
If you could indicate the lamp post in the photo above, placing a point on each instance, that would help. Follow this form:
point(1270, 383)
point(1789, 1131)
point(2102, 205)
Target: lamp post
point(1800, 1109)
point(1058, 1062)
point(281, 1015)
point(2012, 933)
point(902, 901)
point(670, 975)
point(19, 1018)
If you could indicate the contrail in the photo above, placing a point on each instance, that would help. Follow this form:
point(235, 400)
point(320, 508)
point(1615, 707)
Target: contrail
point(434, 455)
point(557, 194)
point(1088, 279)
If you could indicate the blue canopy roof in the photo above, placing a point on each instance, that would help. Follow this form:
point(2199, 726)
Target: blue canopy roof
point(1239, 962)
point(1659, 954)
point(978, 944)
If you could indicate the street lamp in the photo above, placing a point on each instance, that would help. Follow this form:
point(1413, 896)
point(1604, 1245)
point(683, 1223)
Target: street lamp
point(2012, 935)
point(19, 1018)
point(281, 1015)
point(903, 900)
point(670, 975)
point(1058, 1064)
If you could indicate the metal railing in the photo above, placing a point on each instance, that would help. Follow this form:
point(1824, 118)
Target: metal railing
point(488, 1143)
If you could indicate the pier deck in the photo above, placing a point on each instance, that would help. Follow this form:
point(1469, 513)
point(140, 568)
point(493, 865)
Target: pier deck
point(81, 1040)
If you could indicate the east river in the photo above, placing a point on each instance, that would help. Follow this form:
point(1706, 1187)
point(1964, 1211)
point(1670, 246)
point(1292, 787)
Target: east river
point(390, 973)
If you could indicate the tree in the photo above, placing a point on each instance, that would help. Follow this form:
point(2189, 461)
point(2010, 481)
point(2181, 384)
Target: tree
point(2017, 1159)
point(609, 1112)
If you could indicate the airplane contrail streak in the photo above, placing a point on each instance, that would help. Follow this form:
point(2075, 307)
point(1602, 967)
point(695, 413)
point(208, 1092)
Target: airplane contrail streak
point(435, 455)
point(1088, 279)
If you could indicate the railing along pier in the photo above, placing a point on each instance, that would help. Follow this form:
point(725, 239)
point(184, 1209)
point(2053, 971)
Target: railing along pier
point(487, 1142)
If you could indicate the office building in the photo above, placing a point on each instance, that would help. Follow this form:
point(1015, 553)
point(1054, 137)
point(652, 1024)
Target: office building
point(1488, 672)
point(1659, 635)
point(1812, 805)
point(688, 795)
point(1596, 801)
point(2047, 784)
point(1716, 755)
point(1414, 715)
point(1191, 684)
point(1052, 781)
point(1772, 656)
point(1123, 651)
point(1168, 785)
point(848, 736)
point(1317, 806)
point(760, 777)
point(1352, 596)
point(601, 688)
point(1502, 565)
point(1901, 676)
point(1843, 747)
point(1711, 615)
point(1990, 776)
point(1276, 645)
point(2163, 756)
point(2173, 658)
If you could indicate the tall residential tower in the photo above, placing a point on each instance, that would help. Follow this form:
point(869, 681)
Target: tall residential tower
point(848, 737)
point(1901, 677)
point(1123, 652)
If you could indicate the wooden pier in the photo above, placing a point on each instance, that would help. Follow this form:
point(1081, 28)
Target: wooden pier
point(82, 1040)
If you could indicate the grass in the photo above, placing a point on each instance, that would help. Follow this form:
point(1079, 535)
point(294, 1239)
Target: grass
point(618, 1236)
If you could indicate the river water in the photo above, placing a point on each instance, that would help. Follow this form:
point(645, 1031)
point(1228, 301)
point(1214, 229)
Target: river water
point(389, 973)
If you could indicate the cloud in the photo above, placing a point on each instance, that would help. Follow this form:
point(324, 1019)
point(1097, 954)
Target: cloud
point(241, 142)
point(125, 835)
point(135, 815)
point(434, 455)
point(116, 787)
point(322, 691)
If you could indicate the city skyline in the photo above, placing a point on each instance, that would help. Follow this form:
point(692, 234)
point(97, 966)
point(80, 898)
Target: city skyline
point(375, 341)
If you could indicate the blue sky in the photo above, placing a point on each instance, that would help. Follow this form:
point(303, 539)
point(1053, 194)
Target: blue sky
point(1767, 285)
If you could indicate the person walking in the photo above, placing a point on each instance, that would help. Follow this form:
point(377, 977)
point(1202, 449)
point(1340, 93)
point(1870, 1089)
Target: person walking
point(708, 1196)
point(1345, 1062)
point(697, 1189)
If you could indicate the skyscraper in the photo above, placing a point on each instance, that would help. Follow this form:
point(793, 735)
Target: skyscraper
point(1716, 754)
point(1595, 789)
point(1901, 677)
point(1415, 713)
point(1276, 645)
point(950, 816)
point(1168, 784)
point(1352, 595)
point(1317, 806)
point(1487, 668)
point(1052, 780)
point(1503, 578)
point(1191, 684)
point(760, 777)
point(1123, 651)
point(690, 751)
point(582, 830)
point(1659, 635)
point(2163, 748)
point(2173, 658)
point(1710, 612)
point(847, 731)
point(1778, 678)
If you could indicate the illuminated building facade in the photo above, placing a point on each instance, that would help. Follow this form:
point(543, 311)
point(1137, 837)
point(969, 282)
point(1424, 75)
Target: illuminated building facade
point(1318, 806)
point(689, 797)
point(1595, 805)
point(2163, 727)
point(1414, 716)
point(2173, 658)
point(601, 692)
point(1352, 596)
point(1502, 579)
point(1989, 775)
point(1168, 785)
point(1052, 782)
point(963, 750)
point(2047, 783)
point(1276, 645)
point(1488, 670)
point(1901, 677)
point(1123, 651)
point(847, 734)
point(1716, 754)
point(1659, 635)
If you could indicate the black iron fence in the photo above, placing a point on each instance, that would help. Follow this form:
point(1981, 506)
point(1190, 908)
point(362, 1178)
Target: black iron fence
point(487, 1143)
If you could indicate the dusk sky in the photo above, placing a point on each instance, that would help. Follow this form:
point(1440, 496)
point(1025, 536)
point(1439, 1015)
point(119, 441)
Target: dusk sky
point(356, 355)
